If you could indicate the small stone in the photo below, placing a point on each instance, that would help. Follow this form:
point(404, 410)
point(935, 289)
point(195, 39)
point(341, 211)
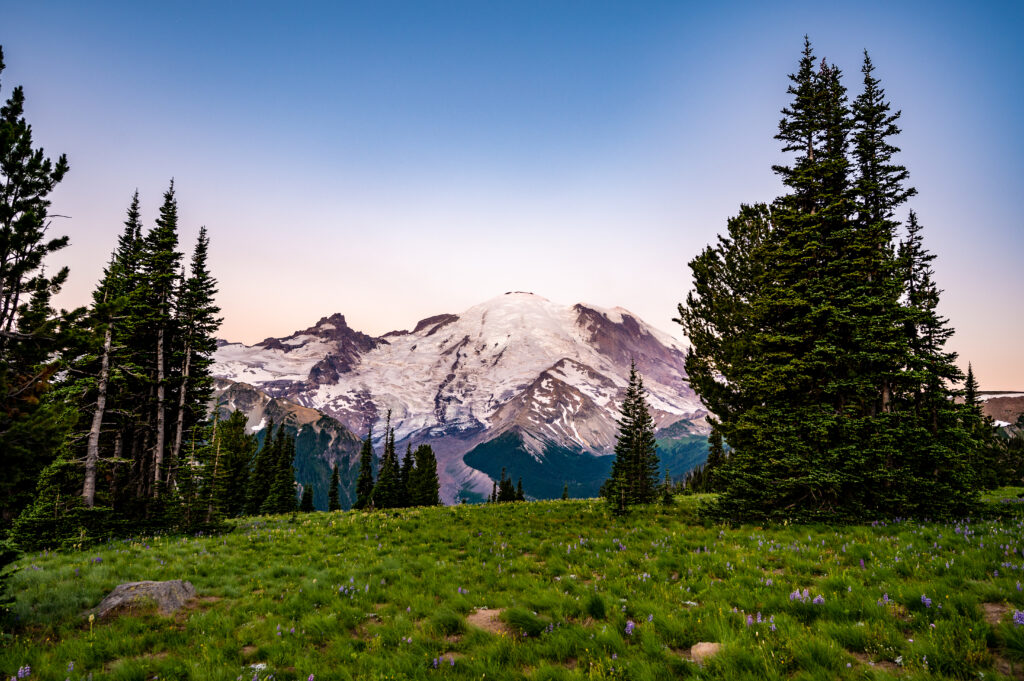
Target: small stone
point(704, 650)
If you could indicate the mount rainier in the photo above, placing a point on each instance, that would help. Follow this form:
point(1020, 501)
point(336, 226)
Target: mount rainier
point(517, 382)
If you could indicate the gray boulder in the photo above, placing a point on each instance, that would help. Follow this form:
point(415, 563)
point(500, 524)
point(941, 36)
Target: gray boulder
point(169, 597)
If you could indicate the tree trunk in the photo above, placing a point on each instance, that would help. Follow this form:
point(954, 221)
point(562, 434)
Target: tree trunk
point(158, 448)
point(176, 447)
point(216, 465)
point(92, 455)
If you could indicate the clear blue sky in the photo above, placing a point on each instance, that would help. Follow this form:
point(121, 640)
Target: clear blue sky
point(395, 160)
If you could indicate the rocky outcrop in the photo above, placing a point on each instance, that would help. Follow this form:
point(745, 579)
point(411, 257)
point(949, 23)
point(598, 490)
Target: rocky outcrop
point(169, 597)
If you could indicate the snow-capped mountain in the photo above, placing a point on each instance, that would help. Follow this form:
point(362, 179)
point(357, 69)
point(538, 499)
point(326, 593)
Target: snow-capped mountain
point(547, 375)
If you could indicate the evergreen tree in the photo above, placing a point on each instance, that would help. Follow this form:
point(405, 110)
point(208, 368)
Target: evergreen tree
point(634, 477)
point(407, 494)
point(196, 323)
point(263, 472)
point(519, 491)
point(307, 499)
point(494, 492)
point(814, 343)
point(237, 449)
point(281, 497)
point(971, 400)
point(506, 490)
point(364, 483)
point(333, 502)
point(565, 492)
point(667, 497)
point(387, 492)
point(31, 333)
point(423, 481)
point(161, 268)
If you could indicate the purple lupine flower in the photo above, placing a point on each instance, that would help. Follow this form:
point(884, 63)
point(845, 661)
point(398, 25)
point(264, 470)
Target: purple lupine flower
point(310, 678)
point(926, 601)
point(24, 672)
point(629, 627)
point(1018, 618)
point(750, 620)
point(818, 600)
point(758, 618)
point(861, 563)
point(71, 666)
point(436, 661)
point(650, 618)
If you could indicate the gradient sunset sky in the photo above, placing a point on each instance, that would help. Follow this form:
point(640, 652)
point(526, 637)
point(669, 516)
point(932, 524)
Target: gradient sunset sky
point(392, 161)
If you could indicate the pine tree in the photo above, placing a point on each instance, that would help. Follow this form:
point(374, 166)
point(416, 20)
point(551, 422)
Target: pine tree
point(971, 400)
point(494, 492)
point(423, 480)
point(667, 497)
point(307, 499)
point(634, 477)
point(407, 494)
point(506, 490)
point(263, 472)
point(237, 450)
point(161, 267)
point(109, 302)
point(519, 491)
point(814, 344)
point(196, 322)
point(387, 491)
point(333, 502)
point(565, 492)
point(281, 497)
point(364, 483)
point(31, 428)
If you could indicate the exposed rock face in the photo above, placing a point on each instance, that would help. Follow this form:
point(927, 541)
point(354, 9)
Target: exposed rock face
point(168, 596)
point(553, 374)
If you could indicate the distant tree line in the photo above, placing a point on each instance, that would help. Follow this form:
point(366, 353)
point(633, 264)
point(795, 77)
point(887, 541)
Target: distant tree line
point(413, 482)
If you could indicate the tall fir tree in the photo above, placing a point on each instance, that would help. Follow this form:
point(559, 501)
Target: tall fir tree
point(306, 505)
point(387, 492)
point(263, 472)
point(425, 489)
point(405, 476)
point(635, 474)
point(161, 265)
point(32, 428)
point(281, 496)
point(196, 324)
point(365, 482)
point(807, 327)
point(333, 500)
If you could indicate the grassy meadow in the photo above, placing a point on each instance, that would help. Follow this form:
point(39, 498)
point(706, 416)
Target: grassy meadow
point(545, 590)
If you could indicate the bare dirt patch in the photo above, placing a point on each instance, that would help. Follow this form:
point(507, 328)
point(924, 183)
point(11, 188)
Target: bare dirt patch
point(994, 612)
point(866, 660)
point(488, 620)
point(1009, 669)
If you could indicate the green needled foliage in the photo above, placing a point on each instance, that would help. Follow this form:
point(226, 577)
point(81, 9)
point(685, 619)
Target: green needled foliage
point(634, 477)
point(31, 332)
point(364, 483)
point(424, 487)
point(333, 500)
point(815, 341)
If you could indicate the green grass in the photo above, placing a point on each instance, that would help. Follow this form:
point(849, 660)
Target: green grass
point(353, 595)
